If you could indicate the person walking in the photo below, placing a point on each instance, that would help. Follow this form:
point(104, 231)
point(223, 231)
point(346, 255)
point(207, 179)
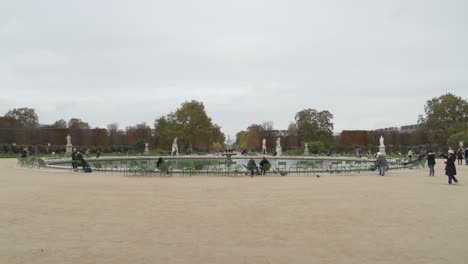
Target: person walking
point(381, 163)
point(74, 159)
point(460, 155)
point(431, 162)
point(450, 169)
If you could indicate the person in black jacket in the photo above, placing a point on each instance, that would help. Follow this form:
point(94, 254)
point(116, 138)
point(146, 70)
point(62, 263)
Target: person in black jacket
point(431, 162)
point(74, 159)
point(159, 162)
point(450, 169)
point(466, 156)
point(79, 157)
point(252, 166)
point(460, 156)
point(264, 165)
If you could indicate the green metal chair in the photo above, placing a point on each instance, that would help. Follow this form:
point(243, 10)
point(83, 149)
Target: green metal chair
point(97, 166)
point(188, 168)
point(281, 167)
point(165, 168)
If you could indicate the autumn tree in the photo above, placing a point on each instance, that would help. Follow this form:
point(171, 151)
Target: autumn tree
point(313, 125)
point(59, 124)
point(192, 126)
point(445, 115)
point(25, 117)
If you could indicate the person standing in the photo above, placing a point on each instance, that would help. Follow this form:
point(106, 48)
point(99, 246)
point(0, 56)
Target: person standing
point(466, 156)
point(74, 159)
point(382, 163)
point(431, 162)
point(450, 169)
point(460, 156)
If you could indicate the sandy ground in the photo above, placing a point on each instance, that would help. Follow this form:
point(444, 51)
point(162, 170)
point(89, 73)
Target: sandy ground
point(65, 217)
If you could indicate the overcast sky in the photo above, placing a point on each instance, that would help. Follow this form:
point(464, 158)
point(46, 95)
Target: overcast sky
point(371, 63)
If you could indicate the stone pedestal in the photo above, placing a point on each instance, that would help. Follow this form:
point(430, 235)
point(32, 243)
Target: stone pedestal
point(146, 149)
point(68, 149)
point(382, 150)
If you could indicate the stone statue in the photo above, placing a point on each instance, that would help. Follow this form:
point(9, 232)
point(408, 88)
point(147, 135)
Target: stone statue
point(68, 147)
point(306, 149)
point(382, 146)
point(279, 150)
point(175, 148)
point(146, 148)
point(264, 146)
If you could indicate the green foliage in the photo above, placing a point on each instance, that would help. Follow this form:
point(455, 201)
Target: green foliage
point(446, 115)
point(76, 123)
point(191, 125)
point(59, 124)
point(312, 125)
point(26, 117)
point(316, 147)
point(140, 146)
point(453, 140)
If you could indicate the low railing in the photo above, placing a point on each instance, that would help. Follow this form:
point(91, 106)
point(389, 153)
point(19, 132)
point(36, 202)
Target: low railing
point(216, 165)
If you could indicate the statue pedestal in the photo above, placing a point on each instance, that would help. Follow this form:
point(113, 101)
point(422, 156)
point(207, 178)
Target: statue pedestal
point(68, 149)
point(382, 150)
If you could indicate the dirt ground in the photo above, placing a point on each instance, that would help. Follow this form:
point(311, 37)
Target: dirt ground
point(64, 217)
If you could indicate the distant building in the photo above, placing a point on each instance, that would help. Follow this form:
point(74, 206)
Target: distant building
point(387, 129)
point(409, 128)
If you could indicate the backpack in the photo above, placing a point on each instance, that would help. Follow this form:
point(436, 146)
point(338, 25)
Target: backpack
point(87, 169)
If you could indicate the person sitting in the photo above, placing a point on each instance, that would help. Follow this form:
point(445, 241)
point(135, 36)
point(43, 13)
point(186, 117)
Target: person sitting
point(158, 163)
point(24, 153)
point(79, 157)
point(264, 165)
point(251, 166)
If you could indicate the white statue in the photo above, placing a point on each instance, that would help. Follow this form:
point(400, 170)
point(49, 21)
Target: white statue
point(381, 141)
point(279, 150)
point(146, 148)
point(68, 140)
point(264, 146)
point(175, 148)
point(306, 149)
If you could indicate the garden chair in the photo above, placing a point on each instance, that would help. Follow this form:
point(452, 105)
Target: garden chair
point(281, 167)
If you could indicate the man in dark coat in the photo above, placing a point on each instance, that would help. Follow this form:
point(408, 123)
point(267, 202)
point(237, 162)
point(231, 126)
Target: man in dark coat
point(466, 156)
point(381, 163)
point(79, 157)
point(264, 165)
point(251, 166)
point(431, 162)
point(74, 159)
point(450, 169)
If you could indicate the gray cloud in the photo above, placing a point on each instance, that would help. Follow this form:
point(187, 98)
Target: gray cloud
point(371, 63)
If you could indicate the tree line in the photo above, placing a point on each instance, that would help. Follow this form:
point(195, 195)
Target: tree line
point(445, 123)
